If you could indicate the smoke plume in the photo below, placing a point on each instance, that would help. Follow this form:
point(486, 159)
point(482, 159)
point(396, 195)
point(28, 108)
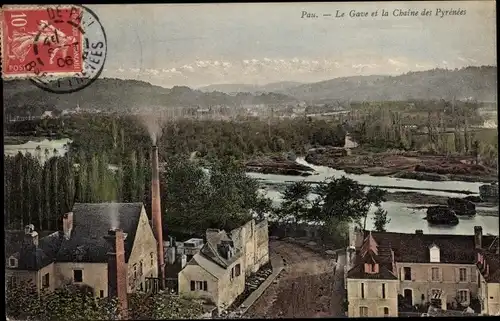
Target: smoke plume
point(113, 216)
point(156, 121)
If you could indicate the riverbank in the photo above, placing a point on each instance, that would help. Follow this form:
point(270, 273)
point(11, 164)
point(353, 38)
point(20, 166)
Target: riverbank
point(279, 165)
point(408, 165)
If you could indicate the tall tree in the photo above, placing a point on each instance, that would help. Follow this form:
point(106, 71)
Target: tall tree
point(380, 220)
point(347, 199)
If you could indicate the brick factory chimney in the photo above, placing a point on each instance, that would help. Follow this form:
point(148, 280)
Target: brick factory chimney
point(478, 237)
point(117, 270)
point(156, 211)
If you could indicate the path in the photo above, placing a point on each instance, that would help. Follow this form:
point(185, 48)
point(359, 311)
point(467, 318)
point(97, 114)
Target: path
point(307, 287)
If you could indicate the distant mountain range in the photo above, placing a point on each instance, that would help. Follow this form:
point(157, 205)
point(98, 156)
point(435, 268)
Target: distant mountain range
point(122, 95)
point(478, 83)
point(236, 88)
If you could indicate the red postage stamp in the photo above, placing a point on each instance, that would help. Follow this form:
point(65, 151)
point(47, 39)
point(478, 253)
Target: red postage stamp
point(41, 40)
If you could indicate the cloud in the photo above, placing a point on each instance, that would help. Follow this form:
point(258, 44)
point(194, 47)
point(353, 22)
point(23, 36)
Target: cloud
point(255, 69)
point(152, 71)
point(396, 62)
point(188, 68)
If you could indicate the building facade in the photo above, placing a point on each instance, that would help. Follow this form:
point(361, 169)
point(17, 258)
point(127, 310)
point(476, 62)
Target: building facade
point(217, 272)
point(78, 253)
point(416, 269)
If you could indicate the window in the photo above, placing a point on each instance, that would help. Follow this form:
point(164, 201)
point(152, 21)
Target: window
point(463, 296)
point(140, 268)
point(407, 273)
point(152, 259)
point(77, 275)
point(237, 270)
point(12, 262)
point(101, 294)
point(383, 290)
point(46, 280)
point(199, 286)
point(463, 275)
point(435, 274)
point(435, 293)
point(135, 271)
point(386, 312)
point(363, 311)
point(362, 290)
point(232, 274)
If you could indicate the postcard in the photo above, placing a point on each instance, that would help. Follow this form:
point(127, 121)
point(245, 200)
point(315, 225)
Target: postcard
point(250, 160)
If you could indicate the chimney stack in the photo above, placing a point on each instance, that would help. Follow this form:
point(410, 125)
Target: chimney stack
point(156, 211)
point(419, 232)
point(117, 270)
point(478, 237)
point(30, 235)
point(67, 225)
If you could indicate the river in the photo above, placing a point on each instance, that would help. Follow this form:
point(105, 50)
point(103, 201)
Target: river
point(404, 218)
point(30, 147)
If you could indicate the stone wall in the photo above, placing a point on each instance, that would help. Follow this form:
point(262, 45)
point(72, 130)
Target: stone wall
point(253, 240)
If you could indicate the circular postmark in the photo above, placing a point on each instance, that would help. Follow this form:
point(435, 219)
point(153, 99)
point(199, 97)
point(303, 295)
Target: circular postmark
point(69, 48)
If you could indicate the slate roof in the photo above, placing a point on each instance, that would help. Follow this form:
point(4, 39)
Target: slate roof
point(458, 249)
point(14, 240)
point(91, 223)
point(210, 259)
point(33, 258)
point(387, 247)
point(210, 251)
point(373, 253)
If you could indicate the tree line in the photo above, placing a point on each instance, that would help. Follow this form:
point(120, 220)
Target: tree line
point(446, 132)
point(218, 138)
point(38, 192)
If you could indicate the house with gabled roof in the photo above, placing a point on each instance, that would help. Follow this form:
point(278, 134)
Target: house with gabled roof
point(79, 253)
point(216, 273)
point(388, 271)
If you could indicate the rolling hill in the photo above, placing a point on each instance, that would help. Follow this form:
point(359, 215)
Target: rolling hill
point(122, 95)
point(235, 88)
point(480, 83)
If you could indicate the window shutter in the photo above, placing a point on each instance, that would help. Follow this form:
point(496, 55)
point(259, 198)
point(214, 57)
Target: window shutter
point(440, 274)
point(412, 275)
point(401, 273)
point(457, 274)
point(429, 274)
point(193, 286)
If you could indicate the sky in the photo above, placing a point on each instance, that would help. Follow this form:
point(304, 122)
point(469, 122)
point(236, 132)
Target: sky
point(201, 44)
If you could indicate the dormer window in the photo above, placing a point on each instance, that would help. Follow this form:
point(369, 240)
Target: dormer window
point(12, 262)
point(434, 254)
point(371, 268)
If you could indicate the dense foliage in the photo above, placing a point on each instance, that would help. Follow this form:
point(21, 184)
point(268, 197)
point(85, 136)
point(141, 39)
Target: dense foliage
point(217, 138)
point(445, 130)
point(73, 302)
point(337, 202)
point(218, 195)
